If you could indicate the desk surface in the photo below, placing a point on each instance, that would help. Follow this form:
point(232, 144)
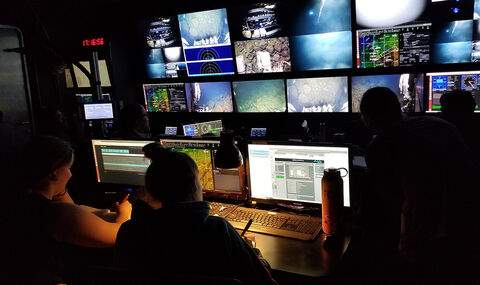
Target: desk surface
point(308, 258)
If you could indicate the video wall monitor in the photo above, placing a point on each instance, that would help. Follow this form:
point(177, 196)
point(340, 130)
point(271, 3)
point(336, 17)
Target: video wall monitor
point(439, 83)
point(260, 96)
point(206, 43)
point(408, 87)
point(82, 79)
point(294, 173)
point(85, 98)
point(320, 34)
point(393, 33)
point(165, 97)
point(456, 37)
point(210, 96)
point(258, 132)
point(120, 161)
point(318, 95)
point(260, 35)
point(100, 111)
point(171, 131)
point(204, 128)
point(214, 181)
point(164, 53)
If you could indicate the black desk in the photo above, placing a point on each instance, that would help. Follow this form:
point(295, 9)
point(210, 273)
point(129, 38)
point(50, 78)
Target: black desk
point(304, 258)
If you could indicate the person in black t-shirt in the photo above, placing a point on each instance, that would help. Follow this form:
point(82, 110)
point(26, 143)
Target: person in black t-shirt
point(175, 236)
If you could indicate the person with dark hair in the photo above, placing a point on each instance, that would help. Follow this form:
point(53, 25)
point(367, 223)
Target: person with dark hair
point(134, 123)
point(178, 238)
point(45, 217)
point(422, 204)
point(458, 107)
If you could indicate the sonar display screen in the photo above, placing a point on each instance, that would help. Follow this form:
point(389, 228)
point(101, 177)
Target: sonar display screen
point(210, 96)
point(206, 42)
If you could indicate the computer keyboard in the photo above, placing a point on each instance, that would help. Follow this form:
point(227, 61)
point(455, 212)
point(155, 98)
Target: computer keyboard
point(278, 224)
point(221, 209)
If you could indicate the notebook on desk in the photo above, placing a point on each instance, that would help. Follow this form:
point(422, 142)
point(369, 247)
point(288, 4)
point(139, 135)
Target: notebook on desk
point(289, 176)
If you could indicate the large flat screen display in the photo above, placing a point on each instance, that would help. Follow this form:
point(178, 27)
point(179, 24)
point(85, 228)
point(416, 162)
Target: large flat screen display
point(206, 43)
point(260, 96)
point(166, 97)
point(210, 96)
point(320, 34)
point(408, 87)
point(317, 95)
point(164, 53)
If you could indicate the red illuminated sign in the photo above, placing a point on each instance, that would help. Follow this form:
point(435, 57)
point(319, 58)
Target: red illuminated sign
point(95, 42)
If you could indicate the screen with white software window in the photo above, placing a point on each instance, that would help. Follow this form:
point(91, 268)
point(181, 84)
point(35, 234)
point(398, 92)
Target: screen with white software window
point(294, 173)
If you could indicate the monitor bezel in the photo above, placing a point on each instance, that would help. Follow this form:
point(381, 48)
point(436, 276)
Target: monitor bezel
point(297, 204)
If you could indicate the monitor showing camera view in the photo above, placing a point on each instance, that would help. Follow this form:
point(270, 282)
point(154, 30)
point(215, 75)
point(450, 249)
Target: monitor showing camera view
point(408, 87)
point(260, 34)
point(260, 96)
point(317, 95)
point(164, 53)
point(320, 34)
point(206, 42)
point(209, 96)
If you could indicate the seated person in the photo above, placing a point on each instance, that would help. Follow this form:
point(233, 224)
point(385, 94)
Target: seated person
point(177, 237)
point(45, 218)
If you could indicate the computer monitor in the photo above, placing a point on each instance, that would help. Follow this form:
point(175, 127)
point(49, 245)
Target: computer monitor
point(317, 95)
point(442, 82)
point(171, 131)
point(206, 42)
point(320, 34)
point(260, 96)
point(260, 35)
point(100, 111)
point(293, 173)
point(200, 129)
point(165, 97)
point(408, 87)
point(120, 161)
point(258, 132)
point(205, 97)
point(215, 182)
point(164, 53)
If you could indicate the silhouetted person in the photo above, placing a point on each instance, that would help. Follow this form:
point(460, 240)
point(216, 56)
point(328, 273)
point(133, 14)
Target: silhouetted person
point(176, 236)
point(45, 218)
point(52, 122)
point(458, 108)
point(422, 204)
point(134, 123)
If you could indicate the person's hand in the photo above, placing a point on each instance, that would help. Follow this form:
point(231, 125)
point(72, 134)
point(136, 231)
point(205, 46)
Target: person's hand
point(124, 210)
point(250, 240)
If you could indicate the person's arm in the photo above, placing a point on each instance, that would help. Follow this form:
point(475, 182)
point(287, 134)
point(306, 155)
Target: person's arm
point(252, 270)
point(77, 226)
